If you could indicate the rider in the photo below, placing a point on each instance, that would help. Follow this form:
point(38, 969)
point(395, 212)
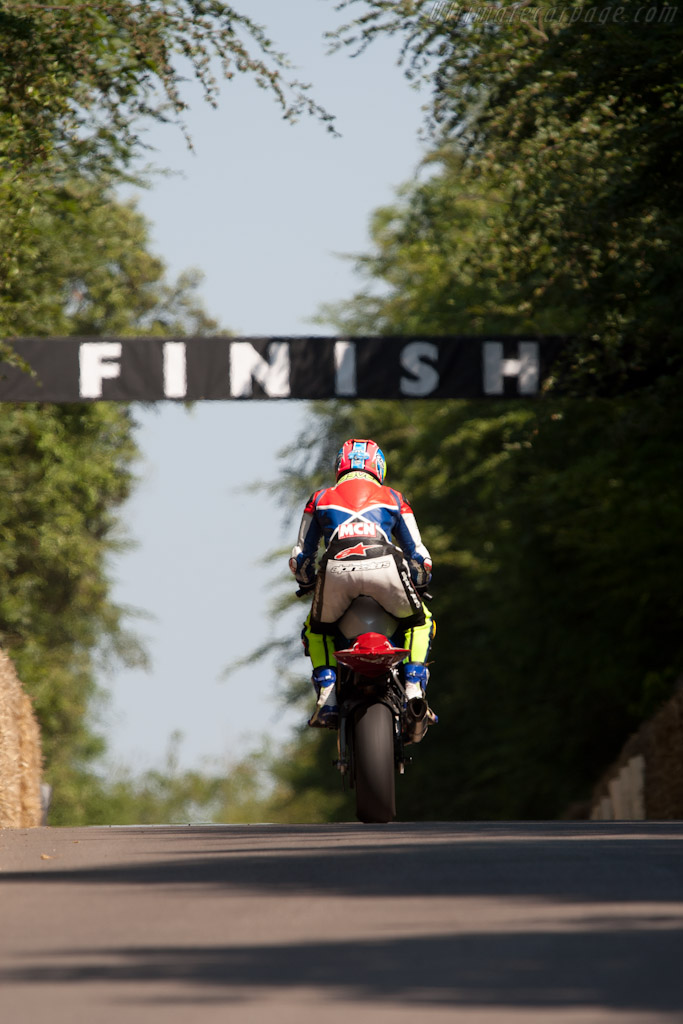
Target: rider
point(356, 519)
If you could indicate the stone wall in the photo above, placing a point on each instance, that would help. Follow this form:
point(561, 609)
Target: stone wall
point(20, 754)
point(647, 779)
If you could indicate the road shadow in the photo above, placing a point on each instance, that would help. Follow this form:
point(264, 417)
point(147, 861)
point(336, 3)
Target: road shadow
point(588, 961)
point(539, 969)
point(601, 864)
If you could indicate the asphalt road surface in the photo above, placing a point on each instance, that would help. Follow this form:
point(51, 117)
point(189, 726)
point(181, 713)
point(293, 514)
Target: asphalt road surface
point(563, 922)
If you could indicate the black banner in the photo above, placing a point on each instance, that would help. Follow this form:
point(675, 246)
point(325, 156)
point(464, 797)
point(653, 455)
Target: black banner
point(220, 368)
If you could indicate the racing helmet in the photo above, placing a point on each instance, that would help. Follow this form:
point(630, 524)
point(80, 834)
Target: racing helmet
point(365, 456)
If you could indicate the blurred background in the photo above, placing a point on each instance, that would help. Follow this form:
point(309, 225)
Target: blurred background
point(449, 171)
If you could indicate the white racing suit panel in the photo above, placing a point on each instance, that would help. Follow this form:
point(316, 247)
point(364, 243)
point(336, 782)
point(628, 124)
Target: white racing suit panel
point(421, 562)
point(350, 570)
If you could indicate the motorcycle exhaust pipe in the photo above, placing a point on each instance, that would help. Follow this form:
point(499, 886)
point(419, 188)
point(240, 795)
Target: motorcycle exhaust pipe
point(418, 718)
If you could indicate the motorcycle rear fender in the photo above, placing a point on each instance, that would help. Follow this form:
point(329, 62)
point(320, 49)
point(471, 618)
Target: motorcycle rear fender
point(372, 655)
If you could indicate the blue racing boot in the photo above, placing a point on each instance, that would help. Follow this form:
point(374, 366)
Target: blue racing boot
point(419, 715)
point(326, 714)
point(417, 677)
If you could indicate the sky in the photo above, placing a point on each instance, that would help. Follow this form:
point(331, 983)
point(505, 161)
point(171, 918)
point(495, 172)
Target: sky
point(265, 210)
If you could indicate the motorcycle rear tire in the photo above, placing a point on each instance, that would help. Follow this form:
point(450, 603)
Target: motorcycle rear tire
point(373, 763)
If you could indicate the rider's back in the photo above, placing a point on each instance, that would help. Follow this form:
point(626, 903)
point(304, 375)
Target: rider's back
point(355, 497)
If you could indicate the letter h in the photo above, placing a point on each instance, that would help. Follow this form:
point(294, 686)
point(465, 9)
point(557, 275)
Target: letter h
point(525, 368)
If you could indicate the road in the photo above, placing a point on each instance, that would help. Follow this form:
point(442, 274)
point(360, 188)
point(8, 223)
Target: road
point(530, 922)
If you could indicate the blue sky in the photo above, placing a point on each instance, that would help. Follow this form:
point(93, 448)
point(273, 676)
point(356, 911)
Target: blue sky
point(265, 210)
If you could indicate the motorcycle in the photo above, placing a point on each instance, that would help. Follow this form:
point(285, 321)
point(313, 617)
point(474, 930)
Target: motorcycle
point(376, 721)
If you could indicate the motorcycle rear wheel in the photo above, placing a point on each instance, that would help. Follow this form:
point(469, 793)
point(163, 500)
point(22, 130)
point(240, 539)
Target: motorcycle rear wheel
point(373, 764)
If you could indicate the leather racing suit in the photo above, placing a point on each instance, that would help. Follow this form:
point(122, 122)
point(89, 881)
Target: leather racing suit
point(372, 547)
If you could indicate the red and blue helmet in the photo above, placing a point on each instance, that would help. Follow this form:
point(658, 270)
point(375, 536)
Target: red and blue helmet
point(365, 456)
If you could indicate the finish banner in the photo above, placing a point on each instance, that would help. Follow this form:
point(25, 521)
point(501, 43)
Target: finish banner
point(219, 368)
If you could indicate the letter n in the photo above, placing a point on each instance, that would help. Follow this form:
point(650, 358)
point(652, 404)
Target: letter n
point(247, 365)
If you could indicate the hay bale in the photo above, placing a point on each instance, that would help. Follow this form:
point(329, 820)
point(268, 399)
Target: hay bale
point(10, 775)
point(20, 753)
point(31, 766)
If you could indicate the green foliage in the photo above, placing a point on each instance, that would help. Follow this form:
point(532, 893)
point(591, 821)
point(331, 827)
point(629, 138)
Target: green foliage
point(226, 793)
point(440, 255)
point(555, 531)
point(552, 204)
point(77, 82)
point(306, 787)
point(262, 786)
point(85, 268)
point(576, 123)
point(76, 79)
point(65, 470)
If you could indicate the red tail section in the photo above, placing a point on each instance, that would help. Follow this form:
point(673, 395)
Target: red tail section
point(372, 654)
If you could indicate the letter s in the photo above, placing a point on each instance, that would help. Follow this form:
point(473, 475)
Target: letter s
point(424, 377)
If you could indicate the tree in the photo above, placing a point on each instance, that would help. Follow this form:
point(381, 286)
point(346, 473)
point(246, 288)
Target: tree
point(85, 268)
point(555, 532)
point(555, 526)
point(77, 81)
point(67, 469)
point(64, 469)
point(576, 118)
point(220, 791)
point(79, 78)
point(439, 257)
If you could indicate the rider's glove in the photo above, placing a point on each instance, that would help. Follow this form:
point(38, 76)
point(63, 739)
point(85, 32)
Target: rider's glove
point(305, 588)
point(420, 571)
point(303, 568)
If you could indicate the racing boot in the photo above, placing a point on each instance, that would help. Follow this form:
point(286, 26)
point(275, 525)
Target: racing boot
point(416, 677)
point(326, 714)
point(419, 713)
